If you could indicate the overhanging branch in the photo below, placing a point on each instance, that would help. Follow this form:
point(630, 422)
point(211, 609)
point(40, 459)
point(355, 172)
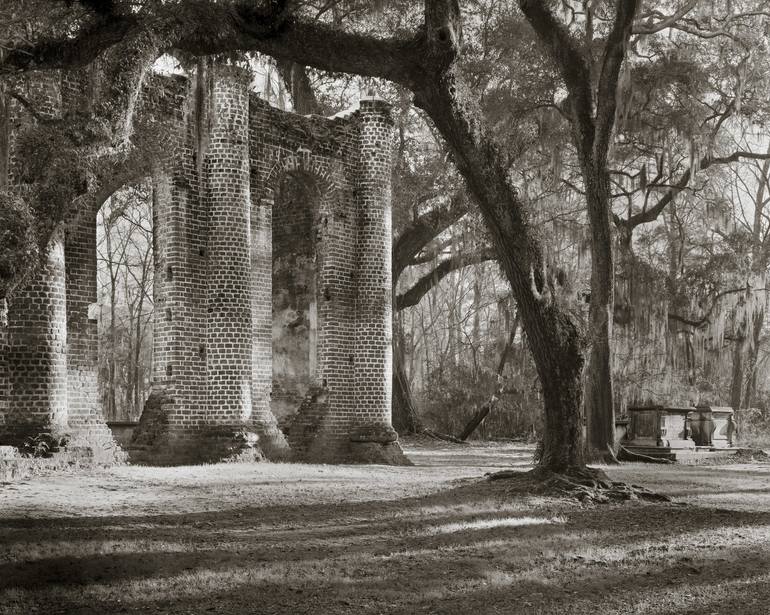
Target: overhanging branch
point(651, 214)
point(444, 268)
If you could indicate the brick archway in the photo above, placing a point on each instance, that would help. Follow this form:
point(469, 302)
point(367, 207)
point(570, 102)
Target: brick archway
point(302, 161)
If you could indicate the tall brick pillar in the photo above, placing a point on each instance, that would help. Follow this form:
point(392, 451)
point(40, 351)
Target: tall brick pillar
point(373, 438)
point(271, 439)
point(37, 351)
point(36, 333)
point(229, 300)
point(86, 419)
point(175, 411)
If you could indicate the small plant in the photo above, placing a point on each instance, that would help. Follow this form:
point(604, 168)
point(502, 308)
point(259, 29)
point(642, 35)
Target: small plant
point(44, 444)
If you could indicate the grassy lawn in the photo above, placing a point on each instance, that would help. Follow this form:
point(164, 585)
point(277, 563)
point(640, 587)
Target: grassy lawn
point(281, 538)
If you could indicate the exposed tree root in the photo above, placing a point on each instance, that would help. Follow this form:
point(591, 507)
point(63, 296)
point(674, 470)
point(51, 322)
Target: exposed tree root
point(611, 458)
point(633, 456)
point(587, 485)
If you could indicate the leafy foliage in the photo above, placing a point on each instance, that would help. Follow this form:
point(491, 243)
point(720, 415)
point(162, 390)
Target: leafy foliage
point(17, 239)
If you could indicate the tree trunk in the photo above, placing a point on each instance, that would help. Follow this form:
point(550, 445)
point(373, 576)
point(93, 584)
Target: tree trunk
point(736, 386)
point(592, 118)
point(404, 414)
point(599, 401)
point(555, 338)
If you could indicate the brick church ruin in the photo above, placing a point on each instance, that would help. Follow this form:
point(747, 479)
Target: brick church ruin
point(272, 248)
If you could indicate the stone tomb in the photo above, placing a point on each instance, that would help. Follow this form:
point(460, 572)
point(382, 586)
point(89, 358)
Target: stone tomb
point(679, 433)
point(272, 247)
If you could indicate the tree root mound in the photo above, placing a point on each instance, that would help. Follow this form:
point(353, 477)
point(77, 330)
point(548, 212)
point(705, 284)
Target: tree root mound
point(587, 485)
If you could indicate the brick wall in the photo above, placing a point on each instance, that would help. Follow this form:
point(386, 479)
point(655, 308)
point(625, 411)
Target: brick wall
point(37, 351)
point(320, 153)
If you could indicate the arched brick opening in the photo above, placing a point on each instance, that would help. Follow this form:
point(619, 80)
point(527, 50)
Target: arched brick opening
point(311, 266)
point(124, 300)
point(296, 267)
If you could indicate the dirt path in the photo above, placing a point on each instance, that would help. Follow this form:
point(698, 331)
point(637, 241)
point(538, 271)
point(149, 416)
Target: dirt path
point(429, 539)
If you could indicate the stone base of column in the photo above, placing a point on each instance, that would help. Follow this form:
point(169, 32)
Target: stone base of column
point(157, 443)
point(94, 436)
point(377, 444)
point(16, 466)
point(306, 430)
point(81, 446)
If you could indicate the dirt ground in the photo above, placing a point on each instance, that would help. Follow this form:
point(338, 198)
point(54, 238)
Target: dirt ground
point(434, 538)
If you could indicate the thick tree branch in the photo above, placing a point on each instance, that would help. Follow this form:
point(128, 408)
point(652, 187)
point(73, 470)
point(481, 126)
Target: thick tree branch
point(614, 53)
point(570, 60)
point(206, 28)
point(651, 214)
point(444, 268)
point(321, 46)
point(74, 52)
point(648, 26)
point(424, 229)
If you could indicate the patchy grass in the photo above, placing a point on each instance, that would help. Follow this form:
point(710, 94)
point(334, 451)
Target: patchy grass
point(290, 539)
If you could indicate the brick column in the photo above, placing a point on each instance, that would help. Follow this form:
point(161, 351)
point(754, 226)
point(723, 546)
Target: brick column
point(229, 325)
point(4, 384)
point(86, 418)
point(37, 351)
point(271, 439)
point(373, 438)
point(36, 334)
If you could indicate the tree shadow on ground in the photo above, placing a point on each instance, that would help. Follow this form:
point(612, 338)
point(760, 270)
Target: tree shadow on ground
point(473, 548)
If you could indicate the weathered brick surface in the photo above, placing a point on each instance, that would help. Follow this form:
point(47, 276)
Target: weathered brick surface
point(228, 298)
point(258, 215)
point(37, 352)
point(84, 413)
point(373, 298)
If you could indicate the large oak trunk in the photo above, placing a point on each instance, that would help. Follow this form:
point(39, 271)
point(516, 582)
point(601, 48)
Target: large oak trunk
point(599, 406)
point(555, 337)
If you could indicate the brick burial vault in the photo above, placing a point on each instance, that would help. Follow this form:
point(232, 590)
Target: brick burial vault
point(272, 247)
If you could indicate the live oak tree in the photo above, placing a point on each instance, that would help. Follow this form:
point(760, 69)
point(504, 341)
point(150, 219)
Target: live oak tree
point(694, 85)
point(591, 105)
point(688, 75)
